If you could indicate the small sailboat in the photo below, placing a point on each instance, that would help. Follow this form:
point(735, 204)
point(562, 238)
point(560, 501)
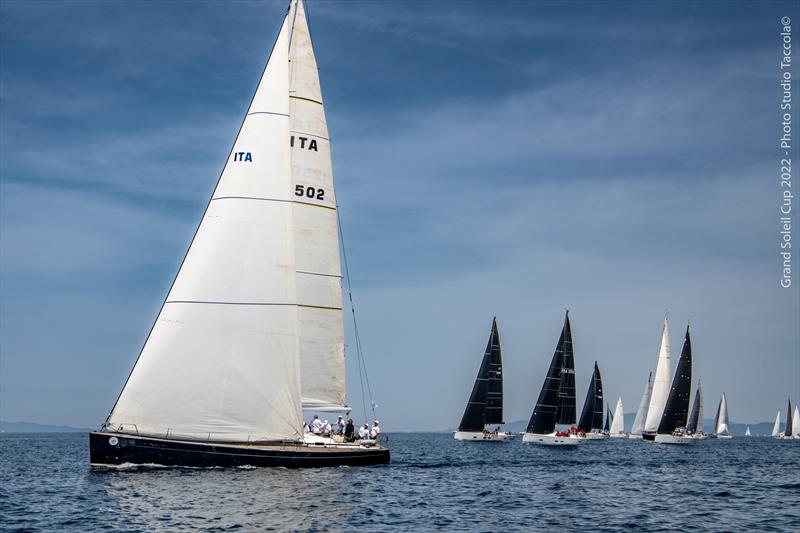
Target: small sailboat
point(721, 430)
point(591, 420)
point(776, 429)
point(789, 428)
point(747, 432)
point(251, 332)
point(556, 402)
point(694, 426)
point(641, 412)
point(672, 428)
point(617, 429)
point(485, 405)
point(662, 382)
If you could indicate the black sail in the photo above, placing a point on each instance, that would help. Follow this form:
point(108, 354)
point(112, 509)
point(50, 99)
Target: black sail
point(543, 419)
point(676, 410)
point(566, 390)
point(716, 417)
point(694, 415)
point(592, 412)
point(787, 431)
point(494, 394)
point(488, 389)
point(609, 417)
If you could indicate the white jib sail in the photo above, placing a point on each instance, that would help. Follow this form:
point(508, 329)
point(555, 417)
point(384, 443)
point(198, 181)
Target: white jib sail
point(796, 422)
point(644, 403)
point(317, 264)
point(662, 382)
point(722, 425)
point(618, 423)
point(776, 429)
point(221, 362)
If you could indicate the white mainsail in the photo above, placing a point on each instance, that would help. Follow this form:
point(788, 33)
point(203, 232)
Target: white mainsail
point(641, 412)
point(796, 423)
point(251, 330)
point(776, 429)
point(618, 422)
point(317, 264)
point(662, 383)
point(722, 424)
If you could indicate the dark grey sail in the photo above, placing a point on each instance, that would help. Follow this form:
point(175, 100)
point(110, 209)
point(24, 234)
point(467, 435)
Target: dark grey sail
point(592, 412)
point(716, 417)
point(676, 410)
point(485, 404)
point(787, 431)
point(694, 415)
point(609, 416)
point(567, 410)
point(543, 419)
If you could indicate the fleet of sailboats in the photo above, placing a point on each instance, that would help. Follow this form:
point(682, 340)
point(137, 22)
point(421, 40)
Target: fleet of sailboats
point(251, 332)
point(485, 404)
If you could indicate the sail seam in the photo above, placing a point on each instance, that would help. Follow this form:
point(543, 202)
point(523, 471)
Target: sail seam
point(271, 200)
point(311, 135)
point(318, 274)
point(306, 99)
point(250, 303)
point(268, 113)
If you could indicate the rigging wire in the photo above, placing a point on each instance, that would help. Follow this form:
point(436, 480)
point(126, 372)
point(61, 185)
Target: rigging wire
point(362, 364)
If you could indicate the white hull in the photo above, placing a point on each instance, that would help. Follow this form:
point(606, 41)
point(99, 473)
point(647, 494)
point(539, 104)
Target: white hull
point(672, 439)
point(724, 436)
point(700, 436)
point(594, 435)
point(480, 436)
point(620, 436)
point(635, 437)
point(552, 440)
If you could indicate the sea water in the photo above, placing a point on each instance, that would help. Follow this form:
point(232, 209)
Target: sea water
point(432, 483)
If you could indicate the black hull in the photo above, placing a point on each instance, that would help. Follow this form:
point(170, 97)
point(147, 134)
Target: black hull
point(649, 436)
point(114, 449)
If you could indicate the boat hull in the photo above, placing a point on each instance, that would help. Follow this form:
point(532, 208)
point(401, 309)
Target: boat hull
point(672, 439)
point(108, 449)
point(480, 436)
point(594, 435)
point(618, 436)
point(638, 437)
point(724, 436)
point(551, 439)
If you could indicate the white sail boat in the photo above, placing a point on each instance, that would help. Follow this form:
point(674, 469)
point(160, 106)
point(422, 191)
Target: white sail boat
point(776, 429)
point(617, 429)
point(796, 423)
point(747, 432)
point(721, 429)
point(251, 331)
point(641, 412)
point(662, 382)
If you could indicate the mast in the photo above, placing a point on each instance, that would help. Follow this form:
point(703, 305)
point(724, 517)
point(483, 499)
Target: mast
point(641, 412)
point(567, 409)
point(776, 429)
point(662, 382)
point(486, 402)
point(543, 418)
point(677, 407)
point(592, 412)
point(618, 421)
point(694, 415)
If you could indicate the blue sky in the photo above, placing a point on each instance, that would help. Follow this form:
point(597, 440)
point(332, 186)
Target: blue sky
point(491, 158)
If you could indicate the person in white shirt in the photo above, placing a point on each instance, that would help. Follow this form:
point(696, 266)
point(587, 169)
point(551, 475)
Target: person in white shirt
point(375, 431)
point(339, 428)
point(363, 433)
point(326, 428)
point(316, 426)
point(306, 429)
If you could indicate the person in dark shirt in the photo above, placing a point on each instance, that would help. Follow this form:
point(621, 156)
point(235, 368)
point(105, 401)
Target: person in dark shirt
point(349, 430)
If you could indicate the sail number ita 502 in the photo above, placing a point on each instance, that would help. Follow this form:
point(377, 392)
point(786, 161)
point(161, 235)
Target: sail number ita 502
point(309, 192)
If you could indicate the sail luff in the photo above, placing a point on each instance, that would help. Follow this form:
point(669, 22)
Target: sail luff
point(641, 411)
point(543, 418)
point(474, 418)
point(618, 421)
point(662, 383)
point(677, 407)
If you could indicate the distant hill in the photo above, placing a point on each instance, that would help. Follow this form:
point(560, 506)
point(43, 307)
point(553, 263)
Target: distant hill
point(32, 427)
point(758, 429)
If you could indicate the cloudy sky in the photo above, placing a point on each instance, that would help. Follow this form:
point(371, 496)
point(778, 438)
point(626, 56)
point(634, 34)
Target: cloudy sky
point(491, 158)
